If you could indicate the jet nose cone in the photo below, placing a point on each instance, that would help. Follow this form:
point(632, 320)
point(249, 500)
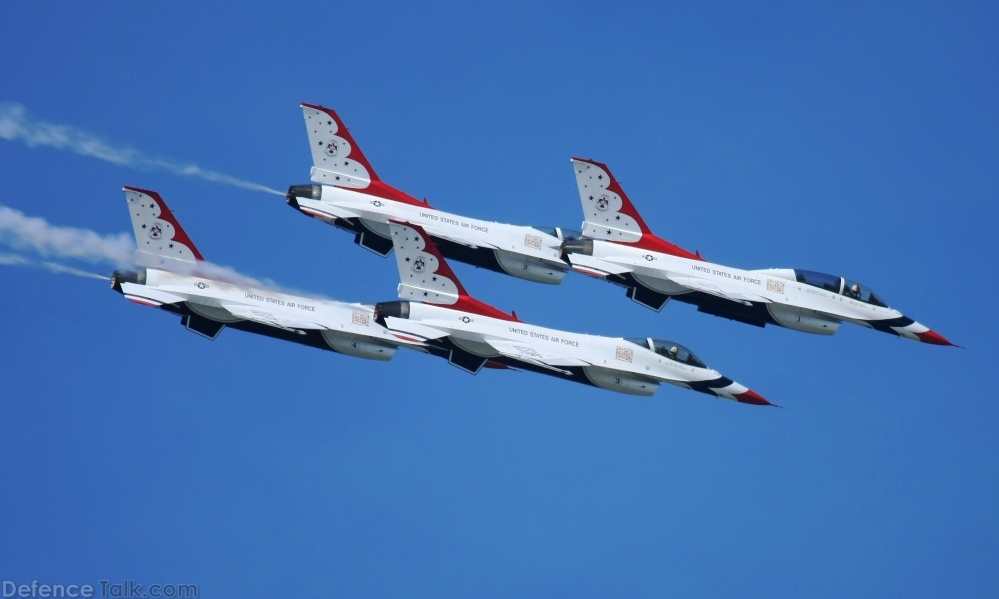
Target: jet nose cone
point(752, 397)
point(933, 338)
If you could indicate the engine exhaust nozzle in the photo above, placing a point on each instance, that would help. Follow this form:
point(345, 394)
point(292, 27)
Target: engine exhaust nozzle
point(309, 192)
point(575, 246)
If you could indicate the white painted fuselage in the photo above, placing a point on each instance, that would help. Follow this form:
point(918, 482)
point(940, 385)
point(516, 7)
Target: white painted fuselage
point(348, 194)
point(790, 303)
point(207, 305)
point(437, 312)
point(607, 362)
point(520, 251)
point(620, 248)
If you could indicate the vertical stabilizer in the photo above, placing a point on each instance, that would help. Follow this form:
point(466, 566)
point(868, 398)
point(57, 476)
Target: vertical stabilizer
point(424, 274)
point(337, 160)
point(607, 211)
point(609, 214)
point(159, 239)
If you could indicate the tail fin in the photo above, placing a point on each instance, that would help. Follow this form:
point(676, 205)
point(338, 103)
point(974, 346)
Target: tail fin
point(337, 159)
point(426, 276)
point(610, 215)
point(159, 239)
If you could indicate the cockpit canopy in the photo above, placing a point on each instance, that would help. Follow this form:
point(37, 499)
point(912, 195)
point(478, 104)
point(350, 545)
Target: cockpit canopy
point(669, 349)
point(839, 285)
point(561, 232)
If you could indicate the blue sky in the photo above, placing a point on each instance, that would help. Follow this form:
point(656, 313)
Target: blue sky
point(853, 139)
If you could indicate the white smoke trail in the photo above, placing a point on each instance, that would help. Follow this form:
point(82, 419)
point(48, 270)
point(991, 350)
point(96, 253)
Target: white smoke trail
point(36, 235)
point(23, 232)
point(18, 260)
point(16, 125)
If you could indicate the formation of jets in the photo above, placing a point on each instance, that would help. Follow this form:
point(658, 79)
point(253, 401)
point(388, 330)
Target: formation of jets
point(436, 316)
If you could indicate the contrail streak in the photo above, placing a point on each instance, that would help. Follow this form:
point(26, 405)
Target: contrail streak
point(23, 232)
point(16, 125)
point(37, 236)
point(18, 260)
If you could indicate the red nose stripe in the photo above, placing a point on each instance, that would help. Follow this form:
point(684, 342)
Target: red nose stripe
point(751, 397)
point(933, 338)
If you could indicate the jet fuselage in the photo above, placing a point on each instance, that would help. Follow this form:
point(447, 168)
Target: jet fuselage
point(207, 306)
point(348, 194)
point(760, 297)
point(520, 251)
point(618, 246)
point(471, 340)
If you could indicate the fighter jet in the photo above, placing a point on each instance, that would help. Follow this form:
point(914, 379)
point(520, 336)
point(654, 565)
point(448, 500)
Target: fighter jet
point(174, 277)
point(619, 247)
point(438, 313)
point(348, 194)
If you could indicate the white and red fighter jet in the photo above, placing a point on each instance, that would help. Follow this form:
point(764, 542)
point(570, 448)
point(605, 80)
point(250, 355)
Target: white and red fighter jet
point(438, 313)
point(348, 194)
point(619, 247)
point(174, 277)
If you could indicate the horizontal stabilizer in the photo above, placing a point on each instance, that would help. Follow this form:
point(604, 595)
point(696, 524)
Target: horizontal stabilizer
point(148, 295)
point(596, 264)
point(422, 332)
point(324, 211)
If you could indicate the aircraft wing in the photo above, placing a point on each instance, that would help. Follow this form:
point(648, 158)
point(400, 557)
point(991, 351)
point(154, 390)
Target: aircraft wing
point(710, 288)
point(270, 319)
point(532, 355)
point(325, 210)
